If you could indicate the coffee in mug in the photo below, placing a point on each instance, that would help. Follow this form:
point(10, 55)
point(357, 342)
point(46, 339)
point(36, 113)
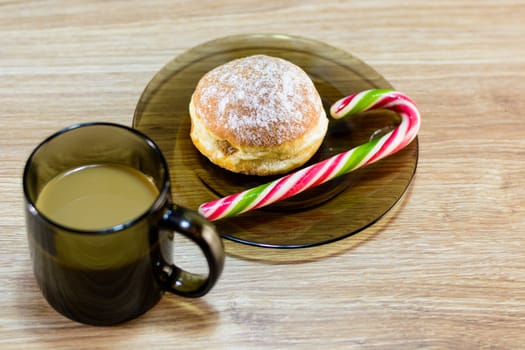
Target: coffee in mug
point(96, 196)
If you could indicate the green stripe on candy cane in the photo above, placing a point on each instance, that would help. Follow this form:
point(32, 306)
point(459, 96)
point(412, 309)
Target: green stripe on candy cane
point(356, 158)
point(334, 166)
point(365, 100)
point(243, 202)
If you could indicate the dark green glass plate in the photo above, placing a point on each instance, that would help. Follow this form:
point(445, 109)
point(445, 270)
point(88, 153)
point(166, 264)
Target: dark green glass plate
point(332, 211)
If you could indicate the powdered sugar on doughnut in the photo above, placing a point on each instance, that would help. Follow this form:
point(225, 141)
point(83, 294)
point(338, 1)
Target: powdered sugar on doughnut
point(257, 101)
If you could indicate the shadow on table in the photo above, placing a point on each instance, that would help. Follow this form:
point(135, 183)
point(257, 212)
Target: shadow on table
point(312, 254)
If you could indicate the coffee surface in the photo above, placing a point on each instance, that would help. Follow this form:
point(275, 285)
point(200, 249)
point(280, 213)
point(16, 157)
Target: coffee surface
point(97, 196)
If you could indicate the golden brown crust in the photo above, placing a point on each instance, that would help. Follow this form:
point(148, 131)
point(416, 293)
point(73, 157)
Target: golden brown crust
point(257, 115)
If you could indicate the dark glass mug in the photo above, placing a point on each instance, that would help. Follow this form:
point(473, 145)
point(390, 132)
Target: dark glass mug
point(108, 276)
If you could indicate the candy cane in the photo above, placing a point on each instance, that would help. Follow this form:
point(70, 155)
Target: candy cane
point(334, 166)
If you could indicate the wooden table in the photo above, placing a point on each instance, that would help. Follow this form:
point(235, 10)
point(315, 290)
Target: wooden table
point(445, 269)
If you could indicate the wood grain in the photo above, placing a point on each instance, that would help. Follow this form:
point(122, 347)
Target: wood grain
point(446, 269)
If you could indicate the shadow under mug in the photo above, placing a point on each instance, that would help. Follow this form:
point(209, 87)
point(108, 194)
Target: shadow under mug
point(106, 277)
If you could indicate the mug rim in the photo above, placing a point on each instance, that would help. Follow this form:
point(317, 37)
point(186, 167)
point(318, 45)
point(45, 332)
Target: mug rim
point(159, 200)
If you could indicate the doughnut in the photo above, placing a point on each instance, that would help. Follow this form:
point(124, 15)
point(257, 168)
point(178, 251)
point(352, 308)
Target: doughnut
point(257, 115)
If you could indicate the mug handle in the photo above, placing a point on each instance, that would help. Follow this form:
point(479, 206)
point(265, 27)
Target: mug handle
point(202, 232)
